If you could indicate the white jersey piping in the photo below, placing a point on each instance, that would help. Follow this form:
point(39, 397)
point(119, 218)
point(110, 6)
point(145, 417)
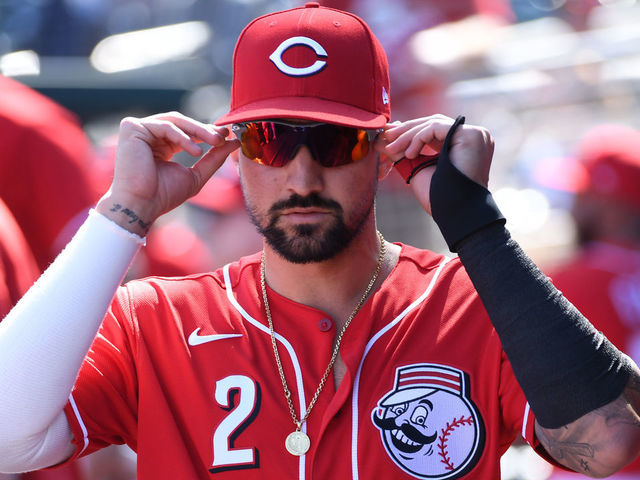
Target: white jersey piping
point(374, 339)
point(85, 433)
point(285, 343)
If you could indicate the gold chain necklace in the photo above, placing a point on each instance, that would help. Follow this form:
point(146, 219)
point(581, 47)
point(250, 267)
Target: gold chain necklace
point(297, 442)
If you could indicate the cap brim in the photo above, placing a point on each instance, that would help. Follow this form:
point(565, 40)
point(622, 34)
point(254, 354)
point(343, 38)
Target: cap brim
point(305, 108)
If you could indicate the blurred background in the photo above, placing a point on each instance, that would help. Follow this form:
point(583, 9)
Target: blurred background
point(539, 74)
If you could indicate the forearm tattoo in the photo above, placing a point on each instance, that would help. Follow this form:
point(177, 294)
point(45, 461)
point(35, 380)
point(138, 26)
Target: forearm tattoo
point(582, 445)
point(575, 455)
point(133, 218)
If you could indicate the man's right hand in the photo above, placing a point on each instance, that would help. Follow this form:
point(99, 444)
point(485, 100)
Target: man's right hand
point(146, 183)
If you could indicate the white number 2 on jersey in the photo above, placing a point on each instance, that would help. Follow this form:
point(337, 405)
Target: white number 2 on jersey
point(228, 389)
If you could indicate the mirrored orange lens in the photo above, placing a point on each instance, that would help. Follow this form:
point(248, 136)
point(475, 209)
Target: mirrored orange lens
point(275, 144)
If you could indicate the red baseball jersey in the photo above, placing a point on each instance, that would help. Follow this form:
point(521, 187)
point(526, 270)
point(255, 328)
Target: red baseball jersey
point(183, 371)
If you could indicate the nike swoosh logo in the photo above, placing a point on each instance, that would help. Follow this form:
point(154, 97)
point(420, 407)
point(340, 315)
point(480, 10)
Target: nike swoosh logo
point(195, 339)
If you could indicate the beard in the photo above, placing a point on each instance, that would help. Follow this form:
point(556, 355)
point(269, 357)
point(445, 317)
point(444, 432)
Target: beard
point(310, 243)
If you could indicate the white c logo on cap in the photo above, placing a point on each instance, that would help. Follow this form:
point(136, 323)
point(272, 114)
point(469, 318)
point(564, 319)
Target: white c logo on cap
point(276, 57)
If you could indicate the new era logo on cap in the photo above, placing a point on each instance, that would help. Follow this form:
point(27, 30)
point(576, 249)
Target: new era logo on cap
point(313, 63)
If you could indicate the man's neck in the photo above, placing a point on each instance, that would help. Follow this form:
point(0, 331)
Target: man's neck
point(334, 286)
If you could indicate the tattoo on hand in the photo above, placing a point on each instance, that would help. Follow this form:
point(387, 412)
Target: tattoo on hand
point(585, 465)
point(570, 449)
point(569, 453)
point(133, 218)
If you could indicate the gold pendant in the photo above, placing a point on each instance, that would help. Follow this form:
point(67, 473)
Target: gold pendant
point(297, 443)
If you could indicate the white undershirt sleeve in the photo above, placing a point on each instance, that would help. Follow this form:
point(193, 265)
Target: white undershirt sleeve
point(46, 336)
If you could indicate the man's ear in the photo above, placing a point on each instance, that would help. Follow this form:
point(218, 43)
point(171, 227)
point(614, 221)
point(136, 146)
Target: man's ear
point(234, 156)
point(385, 165)
point(235, 159)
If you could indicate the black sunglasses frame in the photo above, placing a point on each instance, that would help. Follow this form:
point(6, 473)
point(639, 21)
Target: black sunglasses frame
point(301, 129)
point(240, 127)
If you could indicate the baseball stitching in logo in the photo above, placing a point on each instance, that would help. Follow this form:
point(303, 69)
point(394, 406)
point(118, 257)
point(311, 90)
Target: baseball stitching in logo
point(428, 424)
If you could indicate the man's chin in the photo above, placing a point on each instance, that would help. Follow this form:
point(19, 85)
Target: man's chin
point(304, 249)
point(309, 230)
point(320, 232)
point(307, 243)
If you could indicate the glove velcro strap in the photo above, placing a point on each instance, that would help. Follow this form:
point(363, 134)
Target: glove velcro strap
point(459, 205)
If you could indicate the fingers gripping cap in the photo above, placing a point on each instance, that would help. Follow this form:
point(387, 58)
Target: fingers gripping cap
point(310, 63)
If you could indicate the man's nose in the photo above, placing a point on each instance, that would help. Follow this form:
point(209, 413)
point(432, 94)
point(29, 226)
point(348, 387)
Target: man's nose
point(304, 174)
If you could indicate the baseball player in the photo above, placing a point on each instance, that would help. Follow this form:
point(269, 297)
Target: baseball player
point(602, 278)
point(44, 151)
point(331, 353)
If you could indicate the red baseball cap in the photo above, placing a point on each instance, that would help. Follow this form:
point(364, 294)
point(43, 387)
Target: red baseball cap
point(310, 63)
point(606, 163)
point(611, 156)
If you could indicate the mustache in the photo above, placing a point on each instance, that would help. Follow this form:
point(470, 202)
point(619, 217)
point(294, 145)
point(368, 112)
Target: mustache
point(409, 430)
point(311, 200)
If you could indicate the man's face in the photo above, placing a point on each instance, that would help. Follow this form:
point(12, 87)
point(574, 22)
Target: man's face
point(307, 212)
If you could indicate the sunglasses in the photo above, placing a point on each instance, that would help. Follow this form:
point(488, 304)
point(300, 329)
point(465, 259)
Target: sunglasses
point(275, 143)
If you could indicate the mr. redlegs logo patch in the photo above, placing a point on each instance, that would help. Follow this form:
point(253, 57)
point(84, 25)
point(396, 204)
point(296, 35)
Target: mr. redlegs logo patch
point(428, 424)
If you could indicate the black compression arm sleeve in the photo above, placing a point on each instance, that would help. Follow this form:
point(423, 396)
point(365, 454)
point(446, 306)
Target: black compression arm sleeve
point(459, 205)
point(565, 367)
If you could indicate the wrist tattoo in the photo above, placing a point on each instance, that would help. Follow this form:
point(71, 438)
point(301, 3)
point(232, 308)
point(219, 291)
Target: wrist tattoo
point(133, 218)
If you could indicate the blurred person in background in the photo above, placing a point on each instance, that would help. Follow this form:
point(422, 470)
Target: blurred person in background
point(602, 278)
point(18, 271)
point(219, 217)
point(208, 231)
point(44, 178)
point(46, 193)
